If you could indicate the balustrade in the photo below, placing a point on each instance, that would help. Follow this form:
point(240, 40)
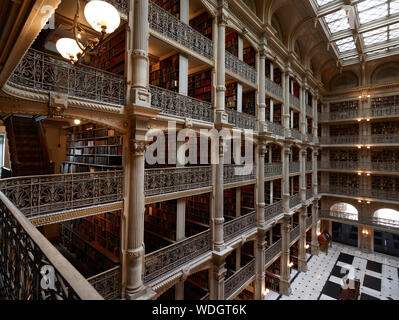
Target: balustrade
point(295, 101)
point(108, 283)
point(309, 194)
point(238, 226)
point(294, 234)
point(294, 167)
point(273, 169)
point(309, 110)
point(241, 120)
point(273, 88)
point(240, 68)
point(275, 128)
point(273, 210)
point(295, 200)
point(272, 251)
point(236, 173)
point(239, 278)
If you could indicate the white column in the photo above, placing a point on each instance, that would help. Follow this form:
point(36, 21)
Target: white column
point(181, 219)
point(315, 243)
point(238, 201)
point(302, 177)
point(179, 290)
point(271, 109)
point(271, 71)
point(238, 258)
point(314, 171)
point(285, 154)
point(261, 183)
point(302, 261)
point(271, 192)
point(261, 91)
point(286, 103)
point(260, 265)
point(285, 274)
point(220, 63)
point(240, 48)
point(239, 97)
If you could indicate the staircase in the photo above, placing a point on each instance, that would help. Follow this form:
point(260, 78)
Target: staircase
point(27, 147)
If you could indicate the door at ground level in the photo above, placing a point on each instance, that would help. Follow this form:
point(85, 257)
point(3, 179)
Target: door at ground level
point(344, 233)
point(386, 242)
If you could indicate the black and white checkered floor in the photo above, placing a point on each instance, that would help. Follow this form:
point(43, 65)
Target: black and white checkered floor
point(378, 275)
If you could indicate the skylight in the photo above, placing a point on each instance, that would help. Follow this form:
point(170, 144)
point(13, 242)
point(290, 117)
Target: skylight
point(376, 26)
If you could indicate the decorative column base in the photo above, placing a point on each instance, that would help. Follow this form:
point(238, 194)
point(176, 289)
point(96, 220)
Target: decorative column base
point(144, 293)
point(285, 287)
point(315, 248)
point(302, 265)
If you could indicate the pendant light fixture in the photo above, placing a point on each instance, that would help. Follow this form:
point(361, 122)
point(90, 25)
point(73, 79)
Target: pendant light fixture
point(102, 17)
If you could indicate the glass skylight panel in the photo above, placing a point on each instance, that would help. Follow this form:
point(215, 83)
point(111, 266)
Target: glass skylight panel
point(394, 7)
point(346, 44)
point(321, 3)
point(370, 10)
point(375, 36)
point(337, 21)
point(394, 31)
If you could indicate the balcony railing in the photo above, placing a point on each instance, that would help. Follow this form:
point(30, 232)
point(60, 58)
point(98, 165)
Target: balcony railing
point(357, 165)
point(383, 111)
point(309, 110)
point(31, 268)
point(309, 165)
point(168, 25)
point(273, 169)
point(339, 115)
point(273, 210)
point(238, 226)
point(273, 88)
point(172, 103)
point(295, 200)
point(373, 139)
point(341, 140)
point(272, 251)
point(166, 259)
point(294, 133)
point(239, 278)
point(46, 73)
point(391, 195)
point(309, 194)
point(309, 221)
point(294, 167)
point(168, 180)
point(241, 120)
point(108, 283)
point(295, 101)
point(382, 138)
point(240, 68)
point(294, 234)
point(121, 5)
point(38, 195)
point(384, 166)
point(275, 128)
point(236, 173)
point(339, 214)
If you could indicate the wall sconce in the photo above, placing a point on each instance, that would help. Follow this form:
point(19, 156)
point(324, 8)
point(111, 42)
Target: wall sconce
point(318, 233)
point(368, 147)
point(365, 232)
point(368, 174)
point(359, 120)
point(359, 147)
point(267, 292)
point(76, 121)
point(359, 173)
point(102, 17)
point(360, 201)
point(368, 202)
point(367, 120)
point(306, 246)
point(290, 265)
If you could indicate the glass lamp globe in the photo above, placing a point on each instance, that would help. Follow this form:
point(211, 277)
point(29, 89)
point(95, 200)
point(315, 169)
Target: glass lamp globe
point(102, 16)
point(68, 48)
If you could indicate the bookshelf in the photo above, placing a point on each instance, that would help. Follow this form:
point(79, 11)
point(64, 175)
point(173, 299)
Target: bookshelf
point(272, 282)
point(165, 73)
point(200, 85)
point(160, 219)
point(231, 95)
point(344, 155)
point(385, 155)
point(386, 183)
point(229, 203)
point(172, 6)
point(345, 180)
point(92, 147)
point(274, 268)
point(197, 209)
point(388, 127)
point(247, 199)
point(111, 55)
point(248, 102)
point(249, 56)
point(231, 43)
point(344, 106)
point(203, 24)
point(344, 130)
point(384, 102)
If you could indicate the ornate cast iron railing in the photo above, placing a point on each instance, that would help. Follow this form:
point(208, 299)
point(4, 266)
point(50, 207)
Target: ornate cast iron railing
point(354, 114)
point(272, 251)
point(37, 195)
point(273, 88)
point(31, 268)
point(339, 115)
point(236, 173)
point(295, 200)
point(121, 5)
point(309, 110)
point(294, 133)
point(382, 111)
point(168, 25)
point(295, 101)
point(294, 234)
point(275, 128)
point(381, 138)
point(357, 192)
point(384, 166)
point(309, 222)
point(108, 283)
point(239, 278)
point(166, 259)
point(357, 165)
point(47, 73)
point(238, 226)
point(309, 194)
point(273, 169)
point(241, 120)
point(309, 166)
point(172, 103)
point(273, 210)
point(294, 167)
point(240, 68)
point(339, 214)
point(340, 140)
point(168, 180)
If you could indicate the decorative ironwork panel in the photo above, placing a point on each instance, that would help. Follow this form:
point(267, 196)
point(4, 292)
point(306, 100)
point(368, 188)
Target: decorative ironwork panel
point(235, 173)
point(331, 116)
point(166, 259)
point(340, 165)
point(294, 234)
point(275, 128)
point(240, 68)
point(37, 195)
point(239, 278)
point(241, 120)
point(295, 200)
point(273, 88)
point(25, 268)
point(309, 221)
point(382, 138)
point(295, 101)
point(168, 180)
point(309, 166)
point(44, 72)
point(108, 283)
point(168, 25)
point(309, 194)
point(383, 166)
point(238, 226)
point(294, 167)
point(273, 169)
point(121, 5)
point(172, 103)
point(273, 210)
point(272, 251)
point(340, 140)
point(294, 133)
point(382, 111)
point(309, 110)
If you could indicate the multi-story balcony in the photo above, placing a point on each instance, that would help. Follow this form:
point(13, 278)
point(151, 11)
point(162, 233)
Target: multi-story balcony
point(294, 167)
point(295, 200)
point(275, 128)
point(358, 139)
point(385, 111)
point(167, 25)
point(273, 169)
point(389, 195)
point(273, 210)
point(241, 120)
point(238, 226)
point(240, 68)
point(332, 140)
point(309, 166)
point(391, 167)
point(41, 73)
point(309, 110)
point(272, 252)
point(172, 103)
point(294, 101)
point(339, 115)
point(238, 173)
point(294, 133)
point(234, 284)
point(273, 89)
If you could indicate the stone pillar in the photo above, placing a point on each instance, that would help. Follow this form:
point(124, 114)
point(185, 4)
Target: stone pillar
point(314, 171)
point(315, 116)
point(271, 109)
point(238, 258)
point(302, 177)
point(286, 104)
point(219, 198)
point(261, 91)
point(286, 177)
point(217, 275)
point(220, 65)
point(271, 71)
point(271, 192)
point(285, 274)
point(238, 201)
point(260, 265)
point(260, 212)
point(302, 261)
point(315, 218)
point(302, 115)
point(179, 290)
point(239, 97)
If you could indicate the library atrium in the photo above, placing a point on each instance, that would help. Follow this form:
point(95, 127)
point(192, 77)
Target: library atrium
point(199, 150)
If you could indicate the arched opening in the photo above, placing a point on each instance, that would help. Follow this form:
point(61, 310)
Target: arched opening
point(386, 242)
point(388, 217)
point(344, 210)
point(343, 232)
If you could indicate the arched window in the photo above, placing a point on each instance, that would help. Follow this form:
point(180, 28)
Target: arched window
point(344, 210)
point(387, 217)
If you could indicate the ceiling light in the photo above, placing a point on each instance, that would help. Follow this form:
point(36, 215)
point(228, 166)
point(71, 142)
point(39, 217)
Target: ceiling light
point(368, 174)
point(360, 201)
point(76, 121)
point(68, 48)
point(102, 16)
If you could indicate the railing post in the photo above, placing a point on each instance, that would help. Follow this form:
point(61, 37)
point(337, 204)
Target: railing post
point(285, 287)
point(302, 261)
point(286, 177)
point(260, 265)
point(315, 153)
point(260, 212)
point(302, 171)
point(315, 218)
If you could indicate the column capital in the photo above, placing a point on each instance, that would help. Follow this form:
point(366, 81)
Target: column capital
point(223, 16)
